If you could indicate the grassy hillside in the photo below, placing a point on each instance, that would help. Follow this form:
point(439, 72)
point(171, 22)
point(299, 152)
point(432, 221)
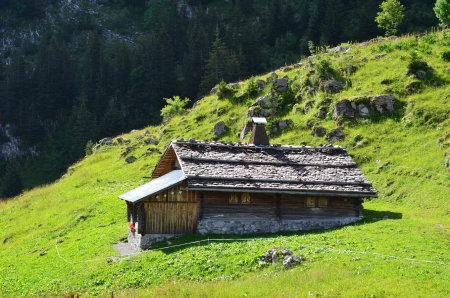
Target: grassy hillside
point(58, 238)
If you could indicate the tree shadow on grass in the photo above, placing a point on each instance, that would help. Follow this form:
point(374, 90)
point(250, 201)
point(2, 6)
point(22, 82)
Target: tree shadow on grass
point(191, 240)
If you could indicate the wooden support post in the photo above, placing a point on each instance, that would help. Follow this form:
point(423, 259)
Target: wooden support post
point(278, 206)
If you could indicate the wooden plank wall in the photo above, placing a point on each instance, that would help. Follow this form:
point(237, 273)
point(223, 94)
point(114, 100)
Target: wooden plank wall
point(172, 212)
point(215, 204)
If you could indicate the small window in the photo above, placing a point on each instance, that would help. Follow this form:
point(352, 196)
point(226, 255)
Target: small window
point(323, 202)
point(233, 198)
point(245, 199)
point(311, 202)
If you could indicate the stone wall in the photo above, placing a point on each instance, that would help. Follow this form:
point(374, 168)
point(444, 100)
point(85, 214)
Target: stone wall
point(250, 226)
point(138, 241)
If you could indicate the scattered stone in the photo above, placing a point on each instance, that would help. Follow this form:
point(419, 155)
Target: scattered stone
point(107, 141)
point(234, 86)
point(284, 123)
point(308, 106)
point(333, 86)
point(261, 84)
point(319, 131)
point(413, 87)
point(322, 112)
point(262, 101)
point(335, 135)
point(213, 90)
point(257, 112)
point(272, 256)
point(379, 56)
point(343, 109)
point(383, 103)
point(130, 159)
point(273, 76)
point(151, 141)
point(126, 152)
point(282, 85)
point(363, 110)
point(351, 69)
point(220, 128)
point(245, 130)
point(122, 140)
point(287, 68)
point(420, 70)
point(421, 74)
point(147, 133)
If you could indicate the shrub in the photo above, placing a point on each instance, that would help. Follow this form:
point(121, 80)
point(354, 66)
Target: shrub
point(446, 56)
point(224, 91)
point(174, 106)
point(252, 89)
point(88, 150)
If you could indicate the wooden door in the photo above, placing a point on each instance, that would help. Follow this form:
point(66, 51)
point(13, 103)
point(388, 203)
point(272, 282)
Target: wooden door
point(172, 214)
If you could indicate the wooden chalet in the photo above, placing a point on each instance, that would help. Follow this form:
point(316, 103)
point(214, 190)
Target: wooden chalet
point(210, 187)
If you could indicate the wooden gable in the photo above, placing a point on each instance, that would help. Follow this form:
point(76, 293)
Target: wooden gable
point(167, 163)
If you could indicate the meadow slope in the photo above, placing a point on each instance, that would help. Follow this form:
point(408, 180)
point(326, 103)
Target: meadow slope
point(58, 238)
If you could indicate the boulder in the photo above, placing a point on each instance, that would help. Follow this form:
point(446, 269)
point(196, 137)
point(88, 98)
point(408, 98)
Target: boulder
point(282, 85)
point(257, 111)
point(333, 86)
point(122, 140)
point(284, 123)
point(319, 131)
point(322, 112)
point(151, 141)
point(261, 84)
point(234, 86)
point(287, 68)
point(213, 90)
point(262, 101)
point(363, 110)
point(273, 76)
point(220, 128)
point(245, 130)
point(130, 159)
point(335, 135)
point(383, 103)
point(308, 107)
point(343, 108)
point(127, 151)
point(107, 141)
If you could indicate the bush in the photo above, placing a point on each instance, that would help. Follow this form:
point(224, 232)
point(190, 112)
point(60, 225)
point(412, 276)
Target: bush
point(225, 91)
point(446, 56)
point(252, 89)
point(174, 106)
point(89, 146)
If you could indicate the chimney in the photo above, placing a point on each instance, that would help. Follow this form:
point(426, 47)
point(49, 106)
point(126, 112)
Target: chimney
point(259, 136)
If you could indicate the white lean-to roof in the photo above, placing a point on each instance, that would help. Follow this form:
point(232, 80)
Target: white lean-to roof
point(156, 185)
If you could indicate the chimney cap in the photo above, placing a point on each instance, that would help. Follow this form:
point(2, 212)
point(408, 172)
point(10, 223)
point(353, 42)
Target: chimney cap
point(259, 120)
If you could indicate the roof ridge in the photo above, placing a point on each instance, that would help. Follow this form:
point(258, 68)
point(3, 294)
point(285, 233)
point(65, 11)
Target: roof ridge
point(245, 145)
point(291, 163)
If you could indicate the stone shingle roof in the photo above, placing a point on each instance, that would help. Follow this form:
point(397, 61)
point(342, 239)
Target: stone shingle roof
point(235, 167)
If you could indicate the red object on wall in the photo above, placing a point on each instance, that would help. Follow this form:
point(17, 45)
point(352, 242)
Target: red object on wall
point(132, 228)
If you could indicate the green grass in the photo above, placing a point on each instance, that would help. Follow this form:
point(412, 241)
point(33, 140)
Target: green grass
point(57, 239)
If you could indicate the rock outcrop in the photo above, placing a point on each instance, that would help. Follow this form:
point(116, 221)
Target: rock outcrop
point(361, 106)
point(220, 128)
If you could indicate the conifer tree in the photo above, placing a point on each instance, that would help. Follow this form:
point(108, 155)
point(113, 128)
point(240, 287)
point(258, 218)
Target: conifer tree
point(222, 64)
point(12, 184)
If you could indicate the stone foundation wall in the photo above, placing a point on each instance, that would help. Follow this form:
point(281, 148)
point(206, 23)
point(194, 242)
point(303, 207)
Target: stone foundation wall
point(249, 226)
point(138, 241)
